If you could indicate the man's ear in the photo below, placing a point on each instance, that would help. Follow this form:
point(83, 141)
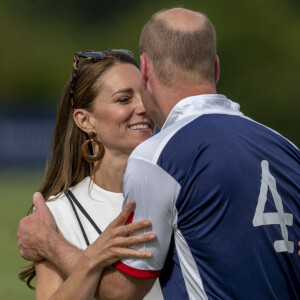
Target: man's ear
point(144, 69)
point(83, 120)
point(217, 69)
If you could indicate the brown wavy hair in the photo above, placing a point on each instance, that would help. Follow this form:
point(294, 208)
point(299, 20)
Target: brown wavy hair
point(65, 165)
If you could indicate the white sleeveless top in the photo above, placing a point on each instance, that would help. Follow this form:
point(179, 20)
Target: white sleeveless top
point(102, 206)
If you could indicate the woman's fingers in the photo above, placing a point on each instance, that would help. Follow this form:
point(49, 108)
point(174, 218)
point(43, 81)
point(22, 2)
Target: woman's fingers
point(131, 253)
point(117, 248)
point(115, 254)
point(125, 230)
point(133, 240)
point(124, 215)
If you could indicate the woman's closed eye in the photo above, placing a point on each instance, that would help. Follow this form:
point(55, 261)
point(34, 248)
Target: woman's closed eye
point(124, 99)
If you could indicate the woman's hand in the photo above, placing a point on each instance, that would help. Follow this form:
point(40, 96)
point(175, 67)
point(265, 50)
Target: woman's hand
point(112, 245)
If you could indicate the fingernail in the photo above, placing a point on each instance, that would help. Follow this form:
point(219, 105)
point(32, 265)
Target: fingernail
point(37, 195)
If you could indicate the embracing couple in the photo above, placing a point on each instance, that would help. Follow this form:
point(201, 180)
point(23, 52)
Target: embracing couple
point(216, 212)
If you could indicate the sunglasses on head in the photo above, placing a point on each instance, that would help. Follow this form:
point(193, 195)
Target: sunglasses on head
point(92, 56)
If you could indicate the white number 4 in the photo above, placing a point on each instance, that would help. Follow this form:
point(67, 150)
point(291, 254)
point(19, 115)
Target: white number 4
point(277, 218)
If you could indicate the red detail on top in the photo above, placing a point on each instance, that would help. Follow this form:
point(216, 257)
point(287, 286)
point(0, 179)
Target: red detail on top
point(136, 272)
point(130, 218)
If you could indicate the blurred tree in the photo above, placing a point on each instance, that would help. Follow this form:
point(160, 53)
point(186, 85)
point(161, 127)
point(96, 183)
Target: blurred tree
point(258, 45)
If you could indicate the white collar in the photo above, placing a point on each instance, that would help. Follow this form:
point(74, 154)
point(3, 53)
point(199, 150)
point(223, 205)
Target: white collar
point(200, 105)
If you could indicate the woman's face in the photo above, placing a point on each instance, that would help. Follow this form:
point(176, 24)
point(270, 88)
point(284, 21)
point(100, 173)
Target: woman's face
point(120, 120)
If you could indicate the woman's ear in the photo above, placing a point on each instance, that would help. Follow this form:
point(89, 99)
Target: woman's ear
point(83, 120)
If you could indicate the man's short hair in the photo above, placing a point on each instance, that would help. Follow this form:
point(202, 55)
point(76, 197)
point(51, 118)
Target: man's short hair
point(187, 56)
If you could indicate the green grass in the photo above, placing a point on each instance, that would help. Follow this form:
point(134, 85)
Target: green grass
point(16, 197)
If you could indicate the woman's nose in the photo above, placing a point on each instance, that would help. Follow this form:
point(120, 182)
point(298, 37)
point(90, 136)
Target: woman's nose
point(140, 109)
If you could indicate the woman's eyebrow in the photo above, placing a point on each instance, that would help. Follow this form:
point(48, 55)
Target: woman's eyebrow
point(126, 90)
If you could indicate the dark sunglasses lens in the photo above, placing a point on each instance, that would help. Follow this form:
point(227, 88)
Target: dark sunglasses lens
point(123, 51)
point(101, 55)
point(90, 54)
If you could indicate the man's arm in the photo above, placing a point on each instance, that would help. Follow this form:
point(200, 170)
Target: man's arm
point(38, 239)
point(87, 265)
point(117, 285)
point(155, 192)
point(50, 285)
point(111, 246)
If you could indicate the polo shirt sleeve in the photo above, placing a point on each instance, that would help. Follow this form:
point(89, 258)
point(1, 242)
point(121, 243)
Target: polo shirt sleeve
point(155, 193)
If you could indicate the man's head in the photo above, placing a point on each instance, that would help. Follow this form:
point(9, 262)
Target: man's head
point(179, 47)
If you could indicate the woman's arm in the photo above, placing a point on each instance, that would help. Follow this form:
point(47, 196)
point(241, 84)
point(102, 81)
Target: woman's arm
point(111, 246)
point(48, 279)
point(50, 284)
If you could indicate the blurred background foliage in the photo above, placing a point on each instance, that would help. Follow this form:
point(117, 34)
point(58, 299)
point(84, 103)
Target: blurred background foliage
point(258, 46)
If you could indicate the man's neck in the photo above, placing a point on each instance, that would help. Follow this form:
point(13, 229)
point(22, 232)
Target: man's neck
point(182, 90)
point(168, 97)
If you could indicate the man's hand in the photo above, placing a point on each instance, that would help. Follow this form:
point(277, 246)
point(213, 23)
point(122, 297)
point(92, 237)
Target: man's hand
point(35, 230)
